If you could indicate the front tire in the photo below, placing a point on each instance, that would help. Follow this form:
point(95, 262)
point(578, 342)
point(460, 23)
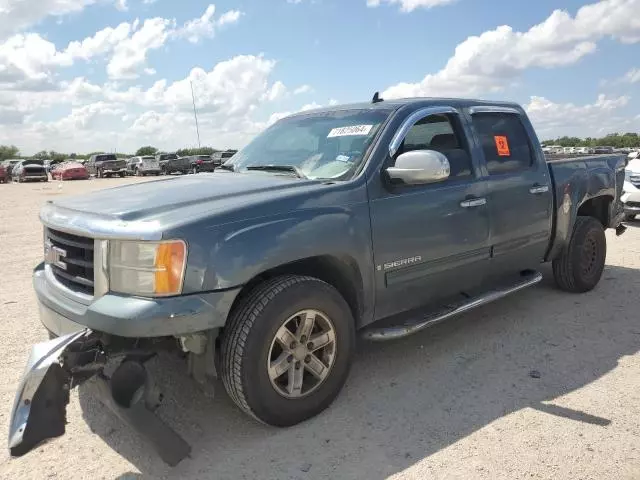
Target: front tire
point(271, 367)
point(194, 170)
point(580, 265)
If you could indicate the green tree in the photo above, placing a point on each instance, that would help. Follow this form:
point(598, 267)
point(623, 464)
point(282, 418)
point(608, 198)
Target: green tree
point(8, 151)
point(148, 150)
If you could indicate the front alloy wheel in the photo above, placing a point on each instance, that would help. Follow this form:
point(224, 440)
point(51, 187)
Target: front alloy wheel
point(302, 354)
point(287, 348)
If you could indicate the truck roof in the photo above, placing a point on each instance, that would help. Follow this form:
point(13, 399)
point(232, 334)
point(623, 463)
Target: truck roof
point(395, 104)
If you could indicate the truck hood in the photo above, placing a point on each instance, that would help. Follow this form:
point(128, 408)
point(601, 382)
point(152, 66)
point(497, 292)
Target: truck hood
point(157, 204)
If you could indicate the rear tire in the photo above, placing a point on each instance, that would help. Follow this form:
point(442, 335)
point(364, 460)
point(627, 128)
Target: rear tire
point(100, 174)
point(580, 265)
point(194, 170)
point(122, 174)
point(250, 346)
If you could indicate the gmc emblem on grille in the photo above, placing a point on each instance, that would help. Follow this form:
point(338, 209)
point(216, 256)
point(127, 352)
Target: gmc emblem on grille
point(54, 255)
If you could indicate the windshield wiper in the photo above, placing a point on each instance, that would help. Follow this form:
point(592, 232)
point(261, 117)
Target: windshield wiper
point(279, 168)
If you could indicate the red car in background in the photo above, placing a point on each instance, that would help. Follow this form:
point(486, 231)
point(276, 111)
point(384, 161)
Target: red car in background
point(69, 171)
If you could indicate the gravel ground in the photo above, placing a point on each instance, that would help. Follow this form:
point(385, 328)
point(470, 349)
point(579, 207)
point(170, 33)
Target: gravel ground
point(458, 401)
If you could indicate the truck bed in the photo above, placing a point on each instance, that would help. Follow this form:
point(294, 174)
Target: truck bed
point(581, 183)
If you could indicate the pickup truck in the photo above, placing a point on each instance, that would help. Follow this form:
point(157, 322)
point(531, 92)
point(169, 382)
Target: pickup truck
point(172, 163)
point(381, 218)
point(105, 165)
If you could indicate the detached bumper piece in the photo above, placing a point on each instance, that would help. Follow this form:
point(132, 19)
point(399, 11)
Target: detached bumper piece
point(57, 366)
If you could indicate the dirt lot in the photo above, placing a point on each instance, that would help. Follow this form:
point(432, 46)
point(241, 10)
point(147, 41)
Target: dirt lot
point(458, 401)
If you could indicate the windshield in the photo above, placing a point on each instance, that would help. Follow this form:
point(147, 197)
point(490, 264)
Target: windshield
point(327, 145)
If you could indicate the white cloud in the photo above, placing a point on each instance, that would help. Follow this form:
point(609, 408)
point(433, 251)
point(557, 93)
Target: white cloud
point(492, 60)
point(29, 61)
point(205, 26)
point(228, 98)
point(410, 5)
point(122, 5)
point(632, 76)
point(232, 16)
point(130, 54)
point(596, 118)
point(277, 90)
point(15, 15)
point(303, 89)
point(102, 42)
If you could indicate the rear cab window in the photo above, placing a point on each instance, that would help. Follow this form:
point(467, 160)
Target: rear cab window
point(504, 141)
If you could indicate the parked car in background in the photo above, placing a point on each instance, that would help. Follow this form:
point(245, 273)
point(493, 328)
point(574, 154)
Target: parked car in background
point(105, 165)
point(201, 163)
point(4, 178)
point(163, 159)
point(206, 163)
point(70, 170)
point(631, 190)
point(142, 166)
point(601, 149)
point(9, 164)
point(175, 164)
point(29, 171)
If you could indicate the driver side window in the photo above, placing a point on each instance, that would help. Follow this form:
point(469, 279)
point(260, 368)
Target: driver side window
point(442, 134)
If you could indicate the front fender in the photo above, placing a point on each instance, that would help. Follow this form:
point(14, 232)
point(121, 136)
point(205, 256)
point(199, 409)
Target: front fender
point(230, 255)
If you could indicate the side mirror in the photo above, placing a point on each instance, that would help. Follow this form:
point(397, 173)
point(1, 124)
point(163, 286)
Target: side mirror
point(420, 167)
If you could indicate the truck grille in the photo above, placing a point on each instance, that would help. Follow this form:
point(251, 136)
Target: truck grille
point(72, 260)
point(635, 180)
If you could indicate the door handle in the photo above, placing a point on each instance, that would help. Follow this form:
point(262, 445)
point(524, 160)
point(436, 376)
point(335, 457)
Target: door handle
point(473, 202)
point(538, 189)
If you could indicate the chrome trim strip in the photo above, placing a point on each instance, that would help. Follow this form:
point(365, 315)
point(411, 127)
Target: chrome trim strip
point(411, 120)
point(93, 226)
point(493, 109)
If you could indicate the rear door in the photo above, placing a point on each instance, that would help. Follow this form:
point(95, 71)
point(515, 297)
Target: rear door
point(429, 241)
point(520, 197)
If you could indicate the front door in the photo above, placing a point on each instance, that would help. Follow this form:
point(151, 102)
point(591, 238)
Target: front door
point(430, 241)
point(520, 198)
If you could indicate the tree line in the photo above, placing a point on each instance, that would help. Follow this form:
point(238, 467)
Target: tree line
point(11, 151)
point(615, 140)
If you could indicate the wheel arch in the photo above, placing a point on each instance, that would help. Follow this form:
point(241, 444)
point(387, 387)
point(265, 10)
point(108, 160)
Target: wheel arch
point(597, 207)
point(341, 272)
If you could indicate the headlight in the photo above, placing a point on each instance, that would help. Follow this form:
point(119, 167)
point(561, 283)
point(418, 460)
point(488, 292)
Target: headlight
point(153, 269)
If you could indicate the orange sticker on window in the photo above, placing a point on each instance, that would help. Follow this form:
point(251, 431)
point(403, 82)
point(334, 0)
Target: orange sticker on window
point(502, 144)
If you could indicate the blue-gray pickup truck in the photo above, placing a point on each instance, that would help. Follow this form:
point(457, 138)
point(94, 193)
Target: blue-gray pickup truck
point(380, 218)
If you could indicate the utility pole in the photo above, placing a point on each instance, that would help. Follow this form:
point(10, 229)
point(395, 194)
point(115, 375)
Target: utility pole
point(195, 114)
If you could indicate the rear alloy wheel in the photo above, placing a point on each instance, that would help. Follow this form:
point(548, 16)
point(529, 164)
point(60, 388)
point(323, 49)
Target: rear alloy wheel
point(579, 267)
point(287, 349)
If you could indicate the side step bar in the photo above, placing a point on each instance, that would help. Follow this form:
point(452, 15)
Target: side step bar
point(411, 326)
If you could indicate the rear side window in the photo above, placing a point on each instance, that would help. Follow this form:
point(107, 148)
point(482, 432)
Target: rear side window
point(504, 141)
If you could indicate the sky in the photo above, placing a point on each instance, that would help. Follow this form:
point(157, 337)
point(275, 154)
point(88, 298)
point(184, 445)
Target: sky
point(114, 75)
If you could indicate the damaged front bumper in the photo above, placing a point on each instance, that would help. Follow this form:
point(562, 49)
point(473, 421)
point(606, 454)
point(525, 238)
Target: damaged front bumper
point(57, 366)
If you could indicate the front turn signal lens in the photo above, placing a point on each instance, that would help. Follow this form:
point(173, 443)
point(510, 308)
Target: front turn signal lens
point(169, 268)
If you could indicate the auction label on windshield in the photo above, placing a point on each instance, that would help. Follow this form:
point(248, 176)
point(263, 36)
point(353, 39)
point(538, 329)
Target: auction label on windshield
point(348, 131)
point(502, 144)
